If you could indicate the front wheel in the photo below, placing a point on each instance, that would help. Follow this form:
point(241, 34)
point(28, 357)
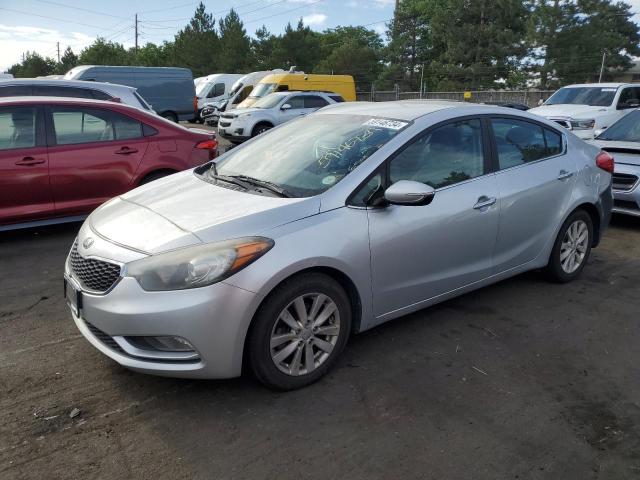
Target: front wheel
point(260, 128)
point(299, 331)
point(572, 248)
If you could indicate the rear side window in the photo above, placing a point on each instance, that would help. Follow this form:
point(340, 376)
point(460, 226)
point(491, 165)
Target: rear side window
point(17, 127)
point(312, 101)
point(86, 125)
point(519, 142)
point(16, 91)
point(54, 91)
point(444, 156)
point(336, 98)
point(98, 95)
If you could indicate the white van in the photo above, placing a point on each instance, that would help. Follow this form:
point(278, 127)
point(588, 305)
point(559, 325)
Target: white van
point(214, 88)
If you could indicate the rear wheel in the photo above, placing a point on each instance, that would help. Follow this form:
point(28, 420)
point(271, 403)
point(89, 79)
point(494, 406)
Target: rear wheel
point(261, 128)
point(170, 116)
point(299, 331)
point(572, 247)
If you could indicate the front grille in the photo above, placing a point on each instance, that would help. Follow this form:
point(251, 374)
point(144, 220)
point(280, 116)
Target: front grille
point(94, 275)
point(624, 182)
point(626, 205)
point(224, 124)
point(565, 123)
point(104, 338)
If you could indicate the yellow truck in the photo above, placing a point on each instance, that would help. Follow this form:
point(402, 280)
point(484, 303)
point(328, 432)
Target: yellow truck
point(280, 82)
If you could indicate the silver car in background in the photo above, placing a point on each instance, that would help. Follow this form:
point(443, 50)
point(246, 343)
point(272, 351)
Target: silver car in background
point(623, 140)
point(330, 225)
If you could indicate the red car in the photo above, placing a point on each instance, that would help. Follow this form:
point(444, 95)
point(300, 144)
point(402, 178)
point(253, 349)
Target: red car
point(62, 157)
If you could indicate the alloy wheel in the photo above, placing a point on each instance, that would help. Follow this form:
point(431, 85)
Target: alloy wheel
point(574, 246)
point(304, 334)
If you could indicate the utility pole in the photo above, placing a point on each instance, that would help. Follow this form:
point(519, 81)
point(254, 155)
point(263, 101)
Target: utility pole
point(136, 32)
point(58, 48)
point(601, 67)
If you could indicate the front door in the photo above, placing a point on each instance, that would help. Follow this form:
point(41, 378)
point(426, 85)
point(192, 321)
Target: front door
point(93, 156)
point(25, 194)
point(421, 252)
point(535, 180)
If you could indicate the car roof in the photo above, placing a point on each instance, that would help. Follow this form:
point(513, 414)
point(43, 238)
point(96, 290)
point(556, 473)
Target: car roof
point(37, 100)
point(604, 85)
point(64, 83)
point(403, 109)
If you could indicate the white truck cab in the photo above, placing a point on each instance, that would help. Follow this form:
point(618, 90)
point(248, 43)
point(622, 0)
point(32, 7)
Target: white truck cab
point(214, 88)
point(585, 108)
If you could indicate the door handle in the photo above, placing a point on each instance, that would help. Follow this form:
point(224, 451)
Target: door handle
point(29, 161)
point(126, 151)
point(484, 202)
point(563, 175)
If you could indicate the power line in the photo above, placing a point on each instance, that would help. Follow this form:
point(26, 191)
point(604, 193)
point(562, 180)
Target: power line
point(49, 18)
point(80, 8)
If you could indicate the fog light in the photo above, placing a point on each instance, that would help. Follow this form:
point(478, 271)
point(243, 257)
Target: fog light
point(164, 344)
point(239, 131)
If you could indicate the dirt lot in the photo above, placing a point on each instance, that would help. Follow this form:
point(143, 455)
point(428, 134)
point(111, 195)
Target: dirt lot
point(521, 380)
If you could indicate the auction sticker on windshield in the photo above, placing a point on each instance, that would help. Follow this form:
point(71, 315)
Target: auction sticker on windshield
point(385, 123)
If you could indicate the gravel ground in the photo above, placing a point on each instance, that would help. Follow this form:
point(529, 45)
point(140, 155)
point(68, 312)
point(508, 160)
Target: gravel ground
point(521, 380)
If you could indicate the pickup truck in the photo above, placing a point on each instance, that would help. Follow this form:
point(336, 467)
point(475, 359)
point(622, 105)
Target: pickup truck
point(585, 108)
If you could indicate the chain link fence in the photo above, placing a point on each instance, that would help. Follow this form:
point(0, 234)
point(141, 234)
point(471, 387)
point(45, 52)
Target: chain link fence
point(526, 97)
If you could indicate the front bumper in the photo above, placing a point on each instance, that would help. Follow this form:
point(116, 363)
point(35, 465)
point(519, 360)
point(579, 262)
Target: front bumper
point(627, 201)
point(213, 319)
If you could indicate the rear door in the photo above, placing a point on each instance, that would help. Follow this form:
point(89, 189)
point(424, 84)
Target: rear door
point(313, 103)
point(535, 179)
point(25, 194)
point(93, 154)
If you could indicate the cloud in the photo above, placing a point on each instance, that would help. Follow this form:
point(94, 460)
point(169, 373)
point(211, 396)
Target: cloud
point(19, 39)
point(314, 19)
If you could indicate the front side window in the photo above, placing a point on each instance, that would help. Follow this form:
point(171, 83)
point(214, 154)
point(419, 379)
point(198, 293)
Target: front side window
point(629, 98)
point(519, 142)
point(295, 102)
point(308, 156)
point(444, 156)
point(85, 125)
point(17, 127)
point(217, 90)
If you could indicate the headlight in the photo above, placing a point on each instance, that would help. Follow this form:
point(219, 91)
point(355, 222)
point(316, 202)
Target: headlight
point(197, 266)
point(583, 124)
point(243, 116)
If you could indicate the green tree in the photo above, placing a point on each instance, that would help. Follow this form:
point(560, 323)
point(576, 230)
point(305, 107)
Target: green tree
point(298, 47)
point(103, 52)
point(152, 55)
point(67, 62)
point(234, 45)
point(196, 46)
point(351, 50)
point(569, 37)
point(33, 65)
point(262, 48)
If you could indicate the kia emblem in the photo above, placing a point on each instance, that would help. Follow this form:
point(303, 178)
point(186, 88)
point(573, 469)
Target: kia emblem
point(87, 242)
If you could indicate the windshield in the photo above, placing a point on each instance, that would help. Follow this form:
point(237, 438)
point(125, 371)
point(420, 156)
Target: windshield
point(269, 101)
point(201, 87)
point(627, 129)
point(235, 88)
point(262, 89)
point(308, 156)
point(594, 96)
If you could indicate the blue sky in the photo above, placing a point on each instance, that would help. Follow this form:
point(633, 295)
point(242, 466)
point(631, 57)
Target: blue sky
point(36, 25)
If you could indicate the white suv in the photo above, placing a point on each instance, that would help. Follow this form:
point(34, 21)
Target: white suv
point(274, 109)
point(585, 108)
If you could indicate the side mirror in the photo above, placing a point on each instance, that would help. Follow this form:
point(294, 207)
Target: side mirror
point(286, 106)
point(408, 192)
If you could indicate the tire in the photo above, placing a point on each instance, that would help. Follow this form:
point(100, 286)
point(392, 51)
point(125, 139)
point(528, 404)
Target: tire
point(566, 249)
point(285, 365)
point(260, 128)
point(170, 116)
point(154, 176)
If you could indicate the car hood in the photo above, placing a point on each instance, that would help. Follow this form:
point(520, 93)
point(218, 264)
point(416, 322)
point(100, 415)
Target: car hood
point(567, 111)
point(623, 152)
point(182, 210)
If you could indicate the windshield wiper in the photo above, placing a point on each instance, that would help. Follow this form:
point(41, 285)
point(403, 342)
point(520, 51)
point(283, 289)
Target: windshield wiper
point(213, 173)
point(264, 184)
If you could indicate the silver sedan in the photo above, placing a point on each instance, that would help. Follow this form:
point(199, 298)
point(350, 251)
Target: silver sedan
point(327, 226)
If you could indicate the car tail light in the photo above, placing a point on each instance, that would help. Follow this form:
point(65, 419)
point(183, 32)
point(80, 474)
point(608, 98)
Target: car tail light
point(211, 145)
point(605, 161)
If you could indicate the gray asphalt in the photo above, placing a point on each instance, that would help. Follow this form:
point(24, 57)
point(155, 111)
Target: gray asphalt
point(521, 380)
